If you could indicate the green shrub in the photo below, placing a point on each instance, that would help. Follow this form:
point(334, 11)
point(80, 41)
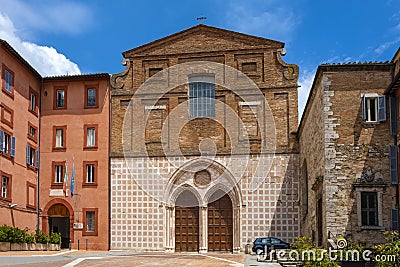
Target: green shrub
point(41, 237)
point(303, 243)
point(4, 233)
point(13, 235)
point(391, 247)
point(55, 238)
point(30, 239)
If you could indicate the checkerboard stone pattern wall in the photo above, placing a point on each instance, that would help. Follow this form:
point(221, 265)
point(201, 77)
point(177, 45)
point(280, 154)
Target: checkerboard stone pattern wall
point(138, 216)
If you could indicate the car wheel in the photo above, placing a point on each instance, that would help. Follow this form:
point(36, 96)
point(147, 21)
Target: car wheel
point(259, 251)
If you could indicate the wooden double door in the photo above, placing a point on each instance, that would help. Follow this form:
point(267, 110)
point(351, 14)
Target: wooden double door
point(219, 226)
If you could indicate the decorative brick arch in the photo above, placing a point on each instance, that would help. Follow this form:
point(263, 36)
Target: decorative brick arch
point(45, 217)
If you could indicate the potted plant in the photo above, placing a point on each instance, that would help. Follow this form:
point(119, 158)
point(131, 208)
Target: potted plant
point(17, 238)
point(42, 239)
point(55, 241)
point(4, 242)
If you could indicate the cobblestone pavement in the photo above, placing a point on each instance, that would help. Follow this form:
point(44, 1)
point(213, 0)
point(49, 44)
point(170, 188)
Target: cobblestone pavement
point(125, 258)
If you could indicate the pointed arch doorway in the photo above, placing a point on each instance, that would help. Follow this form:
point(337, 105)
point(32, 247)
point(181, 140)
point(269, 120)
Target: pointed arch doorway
point(186, 222)
point(220, 222)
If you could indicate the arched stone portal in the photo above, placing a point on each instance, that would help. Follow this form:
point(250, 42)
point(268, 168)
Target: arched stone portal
point(210, 186)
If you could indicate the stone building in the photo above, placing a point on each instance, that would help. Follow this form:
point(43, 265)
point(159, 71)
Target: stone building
point(75, 120)
point(344, 145)
point(19, 131)
point(394, 97)
point(203, 158)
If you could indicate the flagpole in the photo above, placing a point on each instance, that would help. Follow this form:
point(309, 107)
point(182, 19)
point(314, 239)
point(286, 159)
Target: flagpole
point(72, 185)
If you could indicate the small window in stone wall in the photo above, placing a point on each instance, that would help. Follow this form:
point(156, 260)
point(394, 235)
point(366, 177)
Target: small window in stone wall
point(153, 71)
point(249, 67)
point(374, 108)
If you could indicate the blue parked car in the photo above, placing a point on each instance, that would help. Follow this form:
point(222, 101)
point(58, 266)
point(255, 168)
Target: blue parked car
point(260, 243)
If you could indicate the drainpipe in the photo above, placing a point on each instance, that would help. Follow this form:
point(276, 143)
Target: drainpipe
point(109, 161)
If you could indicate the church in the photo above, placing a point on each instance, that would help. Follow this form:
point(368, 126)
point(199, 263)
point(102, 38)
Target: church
point(203, 144)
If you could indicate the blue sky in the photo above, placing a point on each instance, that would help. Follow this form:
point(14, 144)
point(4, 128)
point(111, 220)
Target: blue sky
point(60, 37)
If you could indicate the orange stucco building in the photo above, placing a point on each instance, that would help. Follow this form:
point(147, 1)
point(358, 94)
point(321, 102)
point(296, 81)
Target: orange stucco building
point(19, 131)
point(75, 120)
point(36, 169)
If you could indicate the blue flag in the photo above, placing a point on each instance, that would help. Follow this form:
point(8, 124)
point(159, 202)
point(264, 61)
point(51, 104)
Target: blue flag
point(72, 185)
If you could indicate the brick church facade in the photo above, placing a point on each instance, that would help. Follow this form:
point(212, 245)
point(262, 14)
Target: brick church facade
point(170, 189)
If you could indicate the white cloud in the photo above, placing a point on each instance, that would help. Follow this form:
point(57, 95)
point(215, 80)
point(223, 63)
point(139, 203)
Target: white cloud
point(306, 80)
point(271, 20)
point(46, 60)
point(46, 15)
point(383, 47)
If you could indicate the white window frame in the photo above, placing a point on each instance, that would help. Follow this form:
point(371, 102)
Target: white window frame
point(379, 111)
point(4, 186)
point(90, 173)
point(58, 173)
point(32, 105)
point(91, 137)
point(59, 138)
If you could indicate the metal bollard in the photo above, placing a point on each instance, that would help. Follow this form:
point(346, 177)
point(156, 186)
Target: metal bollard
point(86, 244)
point(69, 244)
point(78, 243)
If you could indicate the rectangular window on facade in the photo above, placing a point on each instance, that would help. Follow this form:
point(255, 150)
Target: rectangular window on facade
point(369, 208)
point(31, 155)
point(7, 144)
point(32, 132)
point(58, 172)
point(5, 186)
point(201, 96)
point(90, 173)
point(60, 98)
point(374, 108)
point(7, 115)
point(33, 101)
point(8, 81)
point(59, 137)
point(90, 221)
point(91, 97)
point(90, 136)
